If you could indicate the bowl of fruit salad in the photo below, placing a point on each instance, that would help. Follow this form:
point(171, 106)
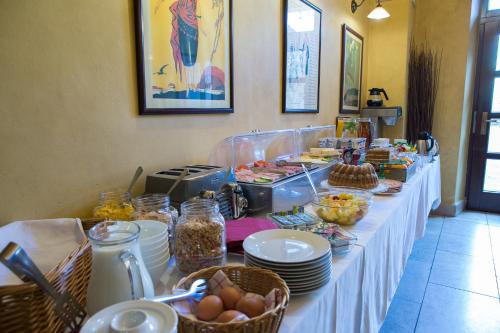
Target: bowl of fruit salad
point(344, 206)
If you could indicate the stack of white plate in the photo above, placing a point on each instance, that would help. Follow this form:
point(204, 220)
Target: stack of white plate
point(153, 240)
point(302, 259)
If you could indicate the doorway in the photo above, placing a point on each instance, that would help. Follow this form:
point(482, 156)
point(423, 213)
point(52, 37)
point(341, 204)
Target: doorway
point(484, 168)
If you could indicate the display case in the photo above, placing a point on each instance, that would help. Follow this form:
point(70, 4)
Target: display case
point(273, 146)
point(247, 148)
point(309, 137)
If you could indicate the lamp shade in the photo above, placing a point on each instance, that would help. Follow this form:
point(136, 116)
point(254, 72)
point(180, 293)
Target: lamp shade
point(378, 13)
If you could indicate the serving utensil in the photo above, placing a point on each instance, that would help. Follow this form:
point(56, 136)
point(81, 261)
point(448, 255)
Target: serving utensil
point(137, 174)
point(283, 163)
point(66, 306)
point(181, 177)
point(196, 291)
point(308, 175)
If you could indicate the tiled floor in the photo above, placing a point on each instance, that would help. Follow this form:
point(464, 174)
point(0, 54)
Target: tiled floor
point(452, 279)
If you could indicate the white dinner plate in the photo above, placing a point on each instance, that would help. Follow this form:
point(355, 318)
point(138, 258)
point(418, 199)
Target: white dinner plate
point(305, 278)
point(286, 246)
point(309, 283)
point(379, 189)
point(291, 271)
point(306, 275)
point(280, 266)
point(308, 289)
point(298, 276)
point(299, 292)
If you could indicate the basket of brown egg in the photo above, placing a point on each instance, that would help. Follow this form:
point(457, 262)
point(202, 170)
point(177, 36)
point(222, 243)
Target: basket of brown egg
point(240, 299)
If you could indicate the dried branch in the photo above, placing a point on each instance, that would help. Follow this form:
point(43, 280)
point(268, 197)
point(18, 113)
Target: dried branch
point(424, 70)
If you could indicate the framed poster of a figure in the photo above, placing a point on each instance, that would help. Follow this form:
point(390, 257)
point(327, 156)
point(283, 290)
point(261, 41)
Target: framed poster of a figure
point(184, 56)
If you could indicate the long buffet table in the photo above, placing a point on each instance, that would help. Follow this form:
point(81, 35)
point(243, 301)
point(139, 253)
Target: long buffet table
point(365, 280)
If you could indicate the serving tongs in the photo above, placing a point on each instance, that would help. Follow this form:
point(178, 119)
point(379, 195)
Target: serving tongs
point(66, 306)
point(197, 291)
point(283, 163)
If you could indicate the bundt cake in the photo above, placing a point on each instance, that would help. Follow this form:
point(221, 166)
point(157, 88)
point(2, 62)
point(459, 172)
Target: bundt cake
point(363, 176)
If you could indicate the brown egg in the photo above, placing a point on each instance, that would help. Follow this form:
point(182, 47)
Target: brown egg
point(209, 308)
point(252, 306)
point(229, 315)
point(230, 297)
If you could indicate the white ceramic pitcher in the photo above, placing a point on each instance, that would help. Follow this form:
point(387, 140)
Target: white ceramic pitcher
point(118, 271)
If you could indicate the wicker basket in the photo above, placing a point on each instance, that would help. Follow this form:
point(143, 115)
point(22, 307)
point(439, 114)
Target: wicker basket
point(250, 279)
point(26, 308)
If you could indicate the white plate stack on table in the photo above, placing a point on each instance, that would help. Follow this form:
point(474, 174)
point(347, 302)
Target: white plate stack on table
point(302, 259)
point(155, 251)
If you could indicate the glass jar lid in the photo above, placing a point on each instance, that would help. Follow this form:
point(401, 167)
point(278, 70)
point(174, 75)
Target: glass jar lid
point(151, 202)
point(119, 196)
point(197, 206)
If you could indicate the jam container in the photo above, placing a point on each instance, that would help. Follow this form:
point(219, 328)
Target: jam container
point(200, 238)
point(365, 130)
point(114, 205)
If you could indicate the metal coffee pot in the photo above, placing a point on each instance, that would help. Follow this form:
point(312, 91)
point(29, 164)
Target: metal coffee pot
point(427, 145)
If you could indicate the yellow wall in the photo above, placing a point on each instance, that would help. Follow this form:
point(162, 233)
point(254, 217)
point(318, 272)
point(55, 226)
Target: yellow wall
point(451, 26)
point(68, 100)
point(388, 58)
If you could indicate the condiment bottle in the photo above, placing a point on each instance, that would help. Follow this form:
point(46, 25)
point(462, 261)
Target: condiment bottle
point(365, 130)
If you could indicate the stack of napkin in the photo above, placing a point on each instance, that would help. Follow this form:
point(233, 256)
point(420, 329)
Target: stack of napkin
point(238, 230)
point(47, 242)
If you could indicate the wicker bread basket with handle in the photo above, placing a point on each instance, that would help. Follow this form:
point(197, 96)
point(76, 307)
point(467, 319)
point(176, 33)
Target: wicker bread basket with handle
point(26, 308)
point(250, 279)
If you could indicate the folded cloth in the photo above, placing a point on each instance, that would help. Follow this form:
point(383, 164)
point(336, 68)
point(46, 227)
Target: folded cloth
point(47, 242)
point(238, 230)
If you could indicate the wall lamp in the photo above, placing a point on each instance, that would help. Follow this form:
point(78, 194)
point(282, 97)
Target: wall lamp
point(378, 13)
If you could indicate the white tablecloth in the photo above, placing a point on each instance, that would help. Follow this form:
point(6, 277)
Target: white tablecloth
point(365, 280)
point(387, 235)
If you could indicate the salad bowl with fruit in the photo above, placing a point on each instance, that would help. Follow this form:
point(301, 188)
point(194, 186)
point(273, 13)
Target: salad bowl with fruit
point(343, 206)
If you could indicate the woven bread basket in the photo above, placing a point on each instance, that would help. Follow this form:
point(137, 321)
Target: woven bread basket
point(26, 308)
point(250, 279)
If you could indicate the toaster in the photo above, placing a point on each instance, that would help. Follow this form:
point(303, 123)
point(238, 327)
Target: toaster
point(199, 178)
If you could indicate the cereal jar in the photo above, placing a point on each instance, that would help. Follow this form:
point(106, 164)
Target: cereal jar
point(200, 239)
point(114, 205)
point(156, 206)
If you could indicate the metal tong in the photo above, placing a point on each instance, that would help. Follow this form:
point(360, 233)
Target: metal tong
point(196, 291)
point(66, 306)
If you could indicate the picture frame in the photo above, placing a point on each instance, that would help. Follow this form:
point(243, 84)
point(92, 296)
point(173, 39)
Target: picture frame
point(301, 57)
point(184, 54)
point(351, 72)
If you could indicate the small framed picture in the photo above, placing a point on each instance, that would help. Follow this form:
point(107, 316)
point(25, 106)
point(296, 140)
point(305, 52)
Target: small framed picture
point(184, 56)
point(301, 57)
point(351, 71)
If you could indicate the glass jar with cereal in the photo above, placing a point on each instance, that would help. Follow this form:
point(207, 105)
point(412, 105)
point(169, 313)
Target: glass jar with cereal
point(156, 207)
point(200, 238)
point(114, 205)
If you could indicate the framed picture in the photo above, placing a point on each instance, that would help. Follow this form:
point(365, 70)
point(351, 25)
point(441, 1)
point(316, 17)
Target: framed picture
point(301, 57)
point(351, 71)
point(184, 56)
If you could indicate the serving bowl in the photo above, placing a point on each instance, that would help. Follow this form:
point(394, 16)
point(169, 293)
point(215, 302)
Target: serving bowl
point(342, 205)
